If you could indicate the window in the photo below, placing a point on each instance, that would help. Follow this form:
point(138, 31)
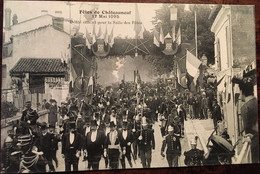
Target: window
point(4, 73)
point(218, 55)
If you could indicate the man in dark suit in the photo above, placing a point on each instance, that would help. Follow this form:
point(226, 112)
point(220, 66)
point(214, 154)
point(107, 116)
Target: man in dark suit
point(94, 145)
point(112, 147)
point(125, 139)
point(216, 113)
point(146, 144)
point(173, 147)
point(71, 147)
point(45, 145)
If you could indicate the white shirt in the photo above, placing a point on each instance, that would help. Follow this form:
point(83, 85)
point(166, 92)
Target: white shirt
point(124, 134)
point(87, 130)
point(72, 136)
point(107, 130)
point(93, 135)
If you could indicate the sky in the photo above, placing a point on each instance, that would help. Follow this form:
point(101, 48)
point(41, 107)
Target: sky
point(29, 9)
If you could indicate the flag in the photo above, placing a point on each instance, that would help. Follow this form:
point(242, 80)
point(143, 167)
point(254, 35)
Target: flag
point(94, 34)
point(178, 73)
point(156, 38)
point(88, 39)
point(90, 86)
point(173, 33)
point(111, 38)
point(173, 11)
point(99, 32)
point(138, 24)
point(161, 38)
point(192, 64)
point(106, 36)
point(178, 37)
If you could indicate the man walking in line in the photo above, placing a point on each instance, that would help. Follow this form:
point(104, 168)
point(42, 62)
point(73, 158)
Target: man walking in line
point(146, 144)
point(93, 146)
point(112, 147)
point(125, 139)
point(71, 147)
point(173, 147)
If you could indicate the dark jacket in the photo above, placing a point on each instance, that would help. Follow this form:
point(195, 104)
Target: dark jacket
point(29, 114)
point(216, 113)
point(69, 150)
point(123, 142)
point(147, 141)
point(173, 145)
point(52, 118)
point(94, 148)
point(194, 157)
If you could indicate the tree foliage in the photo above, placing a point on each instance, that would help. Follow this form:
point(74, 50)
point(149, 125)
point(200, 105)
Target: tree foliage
point(186, 20)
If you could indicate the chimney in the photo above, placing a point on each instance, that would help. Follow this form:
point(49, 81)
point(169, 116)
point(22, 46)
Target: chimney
point(15, 19)
point(8, 12)
point(44, 12)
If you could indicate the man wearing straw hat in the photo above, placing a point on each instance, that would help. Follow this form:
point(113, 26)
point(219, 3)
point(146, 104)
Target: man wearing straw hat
point(173, 147)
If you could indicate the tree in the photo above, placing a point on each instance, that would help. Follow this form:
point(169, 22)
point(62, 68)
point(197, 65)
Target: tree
point(186, 21)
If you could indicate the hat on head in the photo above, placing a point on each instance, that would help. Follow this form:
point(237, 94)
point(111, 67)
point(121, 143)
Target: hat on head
point(170, 128)
point(94, 123)
point(194, 140)
point(112, 124)
point(144, 121)
point(87, 120)
point(43, 125)
point(72, 125)
point(96, 114)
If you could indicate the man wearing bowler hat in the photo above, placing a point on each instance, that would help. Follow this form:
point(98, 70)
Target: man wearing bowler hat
point(93, 146)
point(71, 147)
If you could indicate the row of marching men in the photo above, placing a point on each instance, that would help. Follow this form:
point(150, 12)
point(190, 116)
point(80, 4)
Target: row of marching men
point(111, 139)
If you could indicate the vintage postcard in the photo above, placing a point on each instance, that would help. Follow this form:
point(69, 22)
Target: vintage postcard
point(101, 86)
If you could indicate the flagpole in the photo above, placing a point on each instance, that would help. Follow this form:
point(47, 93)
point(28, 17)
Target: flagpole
point(196, 37)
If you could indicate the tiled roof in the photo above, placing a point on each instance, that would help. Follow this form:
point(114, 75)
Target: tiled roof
point(38, 65)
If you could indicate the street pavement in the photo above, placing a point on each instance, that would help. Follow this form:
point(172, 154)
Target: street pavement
point(200, 128)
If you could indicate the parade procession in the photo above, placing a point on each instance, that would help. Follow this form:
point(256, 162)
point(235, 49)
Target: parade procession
point(86, 95)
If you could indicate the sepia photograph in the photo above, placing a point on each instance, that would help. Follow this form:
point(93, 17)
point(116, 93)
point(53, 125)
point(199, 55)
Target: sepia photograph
point(91, 86)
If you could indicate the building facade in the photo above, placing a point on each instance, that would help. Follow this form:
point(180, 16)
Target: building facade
point(43, 39)
point(234, 30)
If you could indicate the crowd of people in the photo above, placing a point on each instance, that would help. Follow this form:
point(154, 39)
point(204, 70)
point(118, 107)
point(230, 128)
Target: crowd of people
point(115, 124)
